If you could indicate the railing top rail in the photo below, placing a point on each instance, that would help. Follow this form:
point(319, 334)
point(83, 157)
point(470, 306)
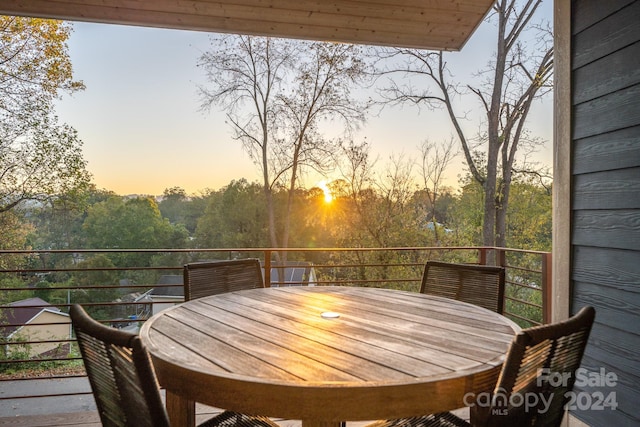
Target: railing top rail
point(297, 249)
point(528, 251)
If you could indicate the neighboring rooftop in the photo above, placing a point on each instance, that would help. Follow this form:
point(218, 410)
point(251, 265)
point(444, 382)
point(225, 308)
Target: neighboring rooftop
point(22, 312)
point(172, 291)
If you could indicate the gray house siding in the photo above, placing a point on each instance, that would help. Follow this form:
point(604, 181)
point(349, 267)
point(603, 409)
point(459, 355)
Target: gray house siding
point(605, 205)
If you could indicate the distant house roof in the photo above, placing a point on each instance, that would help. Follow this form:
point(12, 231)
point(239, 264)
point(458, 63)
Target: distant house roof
point(23, 312)
point(169, 291)
point(439, 225)
point(296, 273)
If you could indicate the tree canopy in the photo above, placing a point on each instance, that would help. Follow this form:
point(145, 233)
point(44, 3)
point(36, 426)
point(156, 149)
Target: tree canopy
point(277, 94)
point(519, 72)
point(39, 156)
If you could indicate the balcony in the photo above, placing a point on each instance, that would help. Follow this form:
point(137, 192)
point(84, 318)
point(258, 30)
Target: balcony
point(39, 353)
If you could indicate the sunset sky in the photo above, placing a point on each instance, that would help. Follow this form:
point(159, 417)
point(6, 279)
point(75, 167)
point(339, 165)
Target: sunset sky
point(143, 132)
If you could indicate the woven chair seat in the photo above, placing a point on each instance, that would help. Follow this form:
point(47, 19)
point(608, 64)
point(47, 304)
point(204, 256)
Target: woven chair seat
point(235, 419)
point(556, 349)
point(123, 380)
point(443, 419)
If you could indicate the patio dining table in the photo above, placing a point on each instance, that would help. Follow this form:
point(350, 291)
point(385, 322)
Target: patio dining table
point(325, 355)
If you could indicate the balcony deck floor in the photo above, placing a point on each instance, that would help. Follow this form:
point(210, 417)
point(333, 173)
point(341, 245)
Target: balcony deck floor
point(79, 410)
point(91, 419)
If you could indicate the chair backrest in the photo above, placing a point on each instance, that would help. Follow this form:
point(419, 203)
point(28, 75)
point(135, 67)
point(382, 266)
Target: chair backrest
point(540, 368)
point(216, 277)
point(482, 285)
point(121, 374)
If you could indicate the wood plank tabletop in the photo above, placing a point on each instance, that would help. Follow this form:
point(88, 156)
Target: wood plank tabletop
point(273, 351)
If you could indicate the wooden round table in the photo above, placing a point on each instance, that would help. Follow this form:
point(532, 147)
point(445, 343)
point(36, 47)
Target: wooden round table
point(325, 354)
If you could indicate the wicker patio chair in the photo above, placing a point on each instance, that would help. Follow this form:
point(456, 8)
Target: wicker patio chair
point(124, 383)
point(535, 355)
point(216, 277)
point(482, 285)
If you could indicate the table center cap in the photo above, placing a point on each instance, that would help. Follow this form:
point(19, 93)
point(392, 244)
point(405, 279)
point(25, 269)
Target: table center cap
point(330, 315)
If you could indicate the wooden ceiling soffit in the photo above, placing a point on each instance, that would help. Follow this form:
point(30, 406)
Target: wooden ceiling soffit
point(426, 24)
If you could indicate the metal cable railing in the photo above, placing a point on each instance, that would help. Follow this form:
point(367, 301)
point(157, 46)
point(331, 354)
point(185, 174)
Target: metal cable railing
point(42, 346)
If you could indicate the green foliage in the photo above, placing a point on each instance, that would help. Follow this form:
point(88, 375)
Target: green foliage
point(39, 157)
point(131, 224)
point(92, 278)
point(172, 205)
point(15, 231)
point(96, 286)
point(467, 214)
point(58, 222)
point(14, 350)
point(529, 217)
point(20, 353)
point(234, 217)
point(522, 301)
point(181, 209)
point(12, 281)
point(36, 58)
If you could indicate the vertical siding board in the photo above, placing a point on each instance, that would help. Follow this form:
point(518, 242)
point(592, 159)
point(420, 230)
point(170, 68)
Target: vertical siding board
point(605, 202)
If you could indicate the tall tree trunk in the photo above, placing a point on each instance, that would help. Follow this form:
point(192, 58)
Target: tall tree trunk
point(494, 143)
point(290, 198)
point(268, 193)
point(489, 219)
point(502, 203)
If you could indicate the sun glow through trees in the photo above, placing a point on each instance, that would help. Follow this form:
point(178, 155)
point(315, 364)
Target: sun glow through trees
point(328, 198)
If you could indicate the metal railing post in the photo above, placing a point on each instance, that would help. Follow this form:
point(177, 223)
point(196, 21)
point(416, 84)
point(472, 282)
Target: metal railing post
point(482, 256)
point(546, 284)
point(501, 258)
point(267, 268)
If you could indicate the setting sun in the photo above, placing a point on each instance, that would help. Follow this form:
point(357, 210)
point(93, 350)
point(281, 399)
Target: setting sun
point(328, 198)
